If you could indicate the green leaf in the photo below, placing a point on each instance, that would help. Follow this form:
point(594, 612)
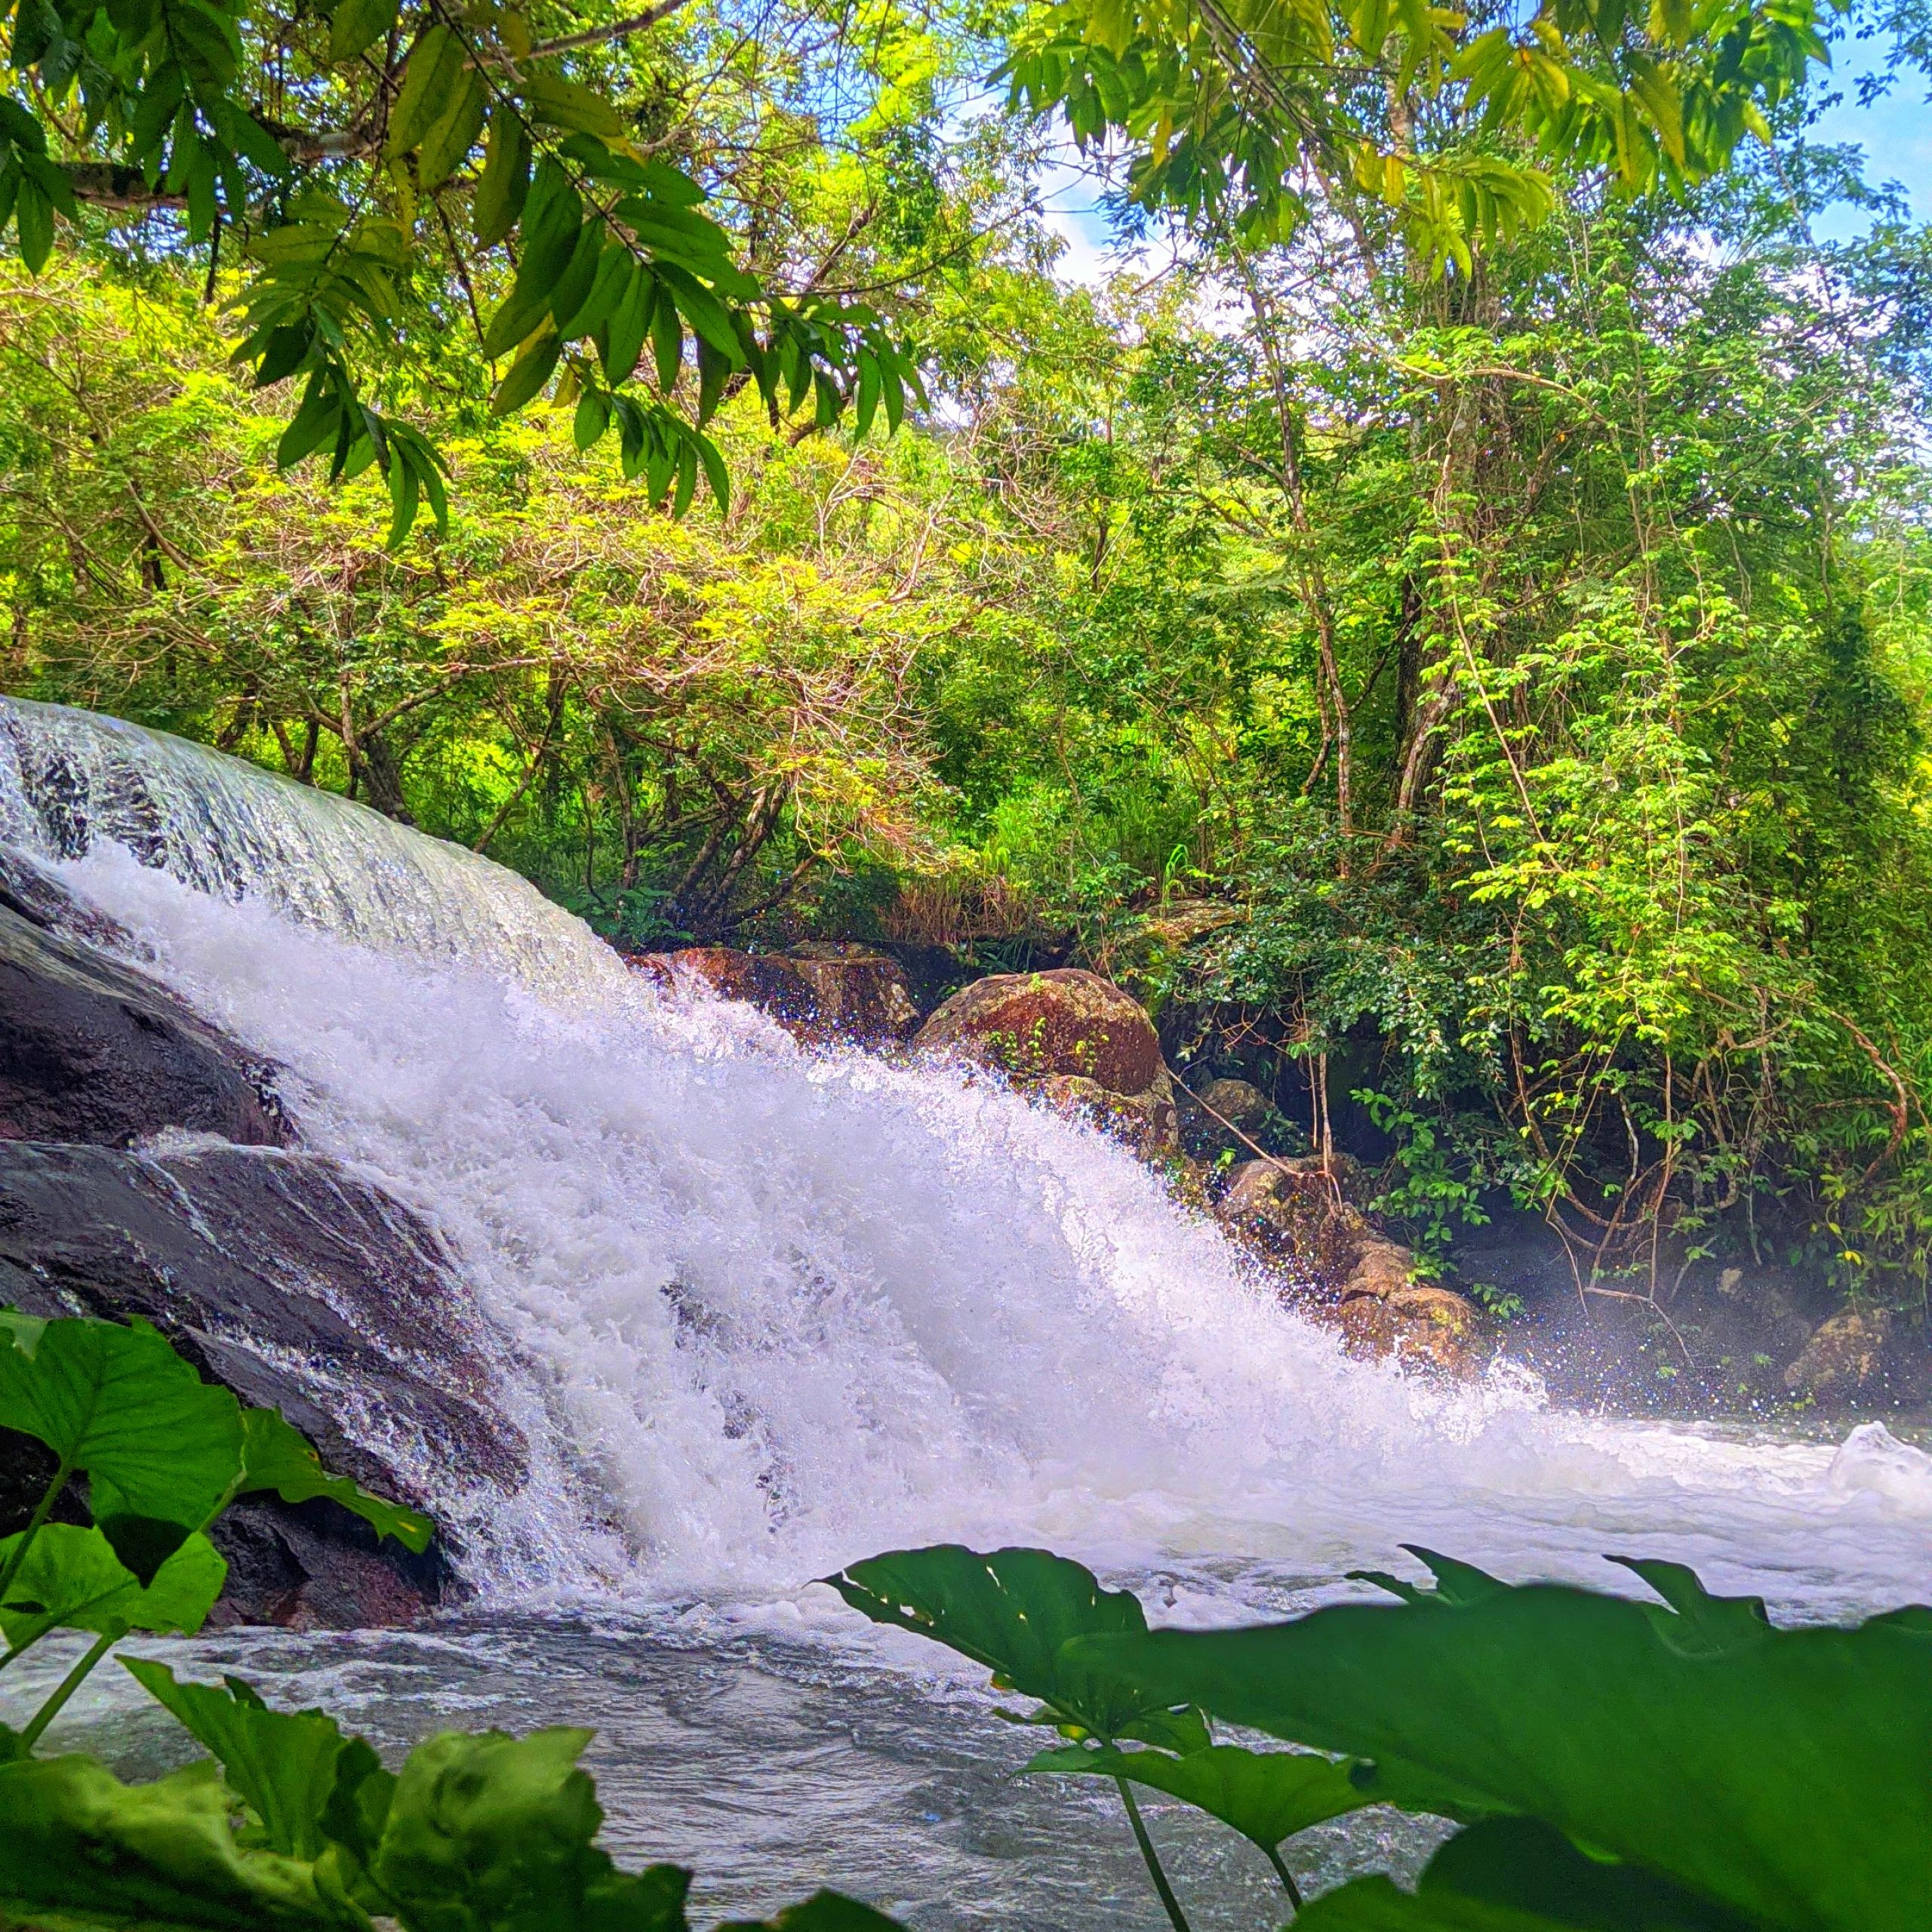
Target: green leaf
point(405, 490)
point(868, 392)
point(527, 375)
point(560, 103)
point(592, 418)
point(505, 184)
point(33, 212)
point(1783, 1776)
point(355, 23)
point(715, 472)
point(433, 68)
point(452, 133)
point(77, 1840)
point(119, 1403)
point(667, 339)
point(1015, 1611)
point(629, 321)
point(1514, 1874)
point(281, 1764)
point(486, 1832)
point(1265, 1796)
point(523, 309)
point(572, 287)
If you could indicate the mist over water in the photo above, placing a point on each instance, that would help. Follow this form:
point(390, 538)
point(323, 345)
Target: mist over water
point(780, 1309)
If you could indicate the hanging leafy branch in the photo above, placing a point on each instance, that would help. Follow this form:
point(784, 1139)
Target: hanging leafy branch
point(1237, 110)
point(141, 104)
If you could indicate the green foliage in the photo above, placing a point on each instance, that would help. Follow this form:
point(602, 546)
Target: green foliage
point(329, 150)
point(1684, 1765)
point(119, 1406)
point(1015, 1611)
point(1267, 1796)
point(275, 1456)
point(163, 1454)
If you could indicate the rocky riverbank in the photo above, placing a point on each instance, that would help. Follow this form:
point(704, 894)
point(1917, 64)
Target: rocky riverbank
point(148, 1168)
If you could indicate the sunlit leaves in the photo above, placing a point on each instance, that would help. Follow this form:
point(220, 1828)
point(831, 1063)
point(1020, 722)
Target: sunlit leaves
point(608, 242)
point(1226, 110)
point(118, 1404)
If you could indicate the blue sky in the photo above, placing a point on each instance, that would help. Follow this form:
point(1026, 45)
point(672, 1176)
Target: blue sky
point(1895, 133)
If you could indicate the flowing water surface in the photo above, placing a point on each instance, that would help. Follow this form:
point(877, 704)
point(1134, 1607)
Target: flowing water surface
point(776, 1310)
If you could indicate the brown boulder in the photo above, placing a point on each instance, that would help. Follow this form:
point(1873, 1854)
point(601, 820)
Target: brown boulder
point(1146, 1122)
point(1036, 1025)
point(1845, 1357)
point(1296, 1213)
point(861, 994)
point(1415, 1321)
point(1341, 1272)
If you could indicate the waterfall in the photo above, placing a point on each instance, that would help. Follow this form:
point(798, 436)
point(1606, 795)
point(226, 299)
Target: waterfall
point(779, 1308)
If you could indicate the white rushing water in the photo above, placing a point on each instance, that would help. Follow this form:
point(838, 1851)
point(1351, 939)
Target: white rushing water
point(782, 1309)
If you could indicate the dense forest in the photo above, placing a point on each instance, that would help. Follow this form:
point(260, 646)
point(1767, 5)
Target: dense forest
point(1446, 620)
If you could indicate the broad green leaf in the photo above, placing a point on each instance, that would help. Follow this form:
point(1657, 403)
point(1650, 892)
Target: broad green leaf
point(1013, 1611)
point(454, 132)
point(1514, 1874)
point(823, 1912)
point(281, 1764)
point(485, 1831)
point(435, 66)
point(1265, 1796)
point(119, 1403)
point(504, 183)
point(77, 1840)
point(355, 23)
point(72, 1579)
point(527, 375)
point(566, 104)
point(34, 212)
point(1784, 1777)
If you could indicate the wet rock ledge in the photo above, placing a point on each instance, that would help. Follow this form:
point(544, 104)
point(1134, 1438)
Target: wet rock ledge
point(275, 1271)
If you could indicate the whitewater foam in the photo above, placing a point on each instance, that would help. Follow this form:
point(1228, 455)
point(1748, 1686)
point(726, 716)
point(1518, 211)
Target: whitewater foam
point(782, 1308)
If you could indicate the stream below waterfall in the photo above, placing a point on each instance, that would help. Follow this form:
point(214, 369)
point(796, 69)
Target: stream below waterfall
point(775, 1310)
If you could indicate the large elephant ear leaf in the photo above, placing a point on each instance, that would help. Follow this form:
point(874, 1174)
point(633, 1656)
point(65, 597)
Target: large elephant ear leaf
point(281, 1764)
point(117, 1402)
point(483, 1829)
point(277, 1457)
point(1014, 1611)
point(1267, 1796)
point(823, 1912)
point(71, 1579)
point(80, 1846)
point(1514, 1874)
point(1782, 1777)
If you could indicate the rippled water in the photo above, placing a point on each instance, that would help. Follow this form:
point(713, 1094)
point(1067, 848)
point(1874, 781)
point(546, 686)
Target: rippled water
point(781, 1310)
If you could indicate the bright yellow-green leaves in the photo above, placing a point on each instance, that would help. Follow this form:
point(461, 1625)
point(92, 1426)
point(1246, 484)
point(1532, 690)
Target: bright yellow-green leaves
point(341, 215)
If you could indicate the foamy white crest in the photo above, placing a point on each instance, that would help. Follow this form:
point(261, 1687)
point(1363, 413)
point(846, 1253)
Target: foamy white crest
point(782, 1308)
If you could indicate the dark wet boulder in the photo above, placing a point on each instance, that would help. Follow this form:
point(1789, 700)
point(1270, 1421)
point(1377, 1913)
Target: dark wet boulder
point(300, 1287)
point(92, 1049)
